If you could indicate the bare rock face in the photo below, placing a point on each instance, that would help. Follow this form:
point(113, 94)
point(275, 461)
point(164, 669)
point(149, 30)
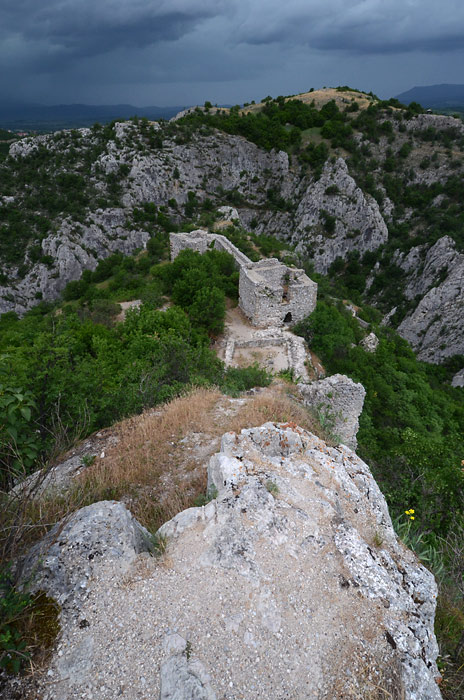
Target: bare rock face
point(370, 342)
point(339, 401)
point(98, 535)
point(358, 224)
point(440, 122)
point(458, 379)
point(182, 677)
point(290, 584)
point(434, 328)
point(74, 248)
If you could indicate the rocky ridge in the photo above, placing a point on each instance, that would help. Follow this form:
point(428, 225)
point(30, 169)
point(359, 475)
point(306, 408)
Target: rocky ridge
point(290, 583)
point(358, 224)
point(327, 219)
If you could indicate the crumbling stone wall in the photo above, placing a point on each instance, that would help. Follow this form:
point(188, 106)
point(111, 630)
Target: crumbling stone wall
point(202, 241)
point(270, 293)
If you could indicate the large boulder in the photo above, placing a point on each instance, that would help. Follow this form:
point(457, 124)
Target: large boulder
point(104, 534)
point(338, 402)
point(290, 584)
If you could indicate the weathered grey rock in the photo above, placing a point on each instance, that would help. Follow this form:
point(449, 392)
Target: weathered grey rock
point(74, 248)
point(458, 379)
point(182, 677)
point(228, 213)
point(339, 401)
point(434, 328)
point(63, 563)
point(359, 224)
point(249, 528)
point(53, 480)
point(441, 122)
point(370, 342)
point(291, 583)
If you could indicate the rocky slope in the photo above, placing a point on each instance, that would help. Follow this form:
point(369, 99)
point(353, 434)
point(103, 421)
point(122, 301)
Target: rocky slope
point(291, 583)
point(360, 204)
point(435, 326)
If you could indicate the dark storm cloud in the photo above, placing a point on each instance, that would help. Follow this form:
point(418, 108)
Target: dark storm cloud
point(120, 49)
point(92, 27)
point(358, 26)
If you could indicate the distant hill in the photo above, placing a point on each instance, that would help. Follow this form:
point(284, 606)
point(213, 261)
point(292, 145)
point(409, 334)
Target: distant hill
point(50, 117)
point(445, 97)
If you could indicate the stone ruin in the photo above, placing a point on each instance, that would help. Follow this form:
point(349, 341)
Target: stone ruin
point(271, 294)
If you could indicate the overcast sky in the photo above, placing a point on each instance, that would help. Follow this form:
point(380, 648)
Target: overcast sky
point(176, 52)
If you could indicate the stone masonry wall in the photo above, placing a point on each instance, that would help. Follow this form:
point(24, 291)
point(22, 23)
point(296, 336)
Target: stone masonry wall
point(202, 241)
point(270, 293)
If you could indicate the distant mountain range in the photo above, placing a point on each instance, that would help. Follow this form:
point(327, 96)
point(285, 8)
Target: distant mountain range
point(48, 117)
point(444, 97)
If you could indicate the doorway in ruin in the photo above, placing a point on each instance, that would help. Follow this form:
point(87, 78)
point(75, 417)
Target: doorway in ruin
point(288, 318)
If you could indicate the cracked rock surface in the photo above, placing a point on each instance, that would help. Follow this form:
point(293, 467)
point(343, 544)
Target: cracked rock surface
point(339, 401)
point(290, 584)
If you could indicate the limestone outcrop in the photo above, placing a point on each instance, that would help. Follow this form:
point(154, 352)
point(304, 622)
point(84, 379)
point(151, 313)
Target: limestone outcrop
point(338, 400)
point(101, 535)
point(291, 583)
point(370, 342)
point(75, 247)
point(357, 221)
point(458, 379)
point(434, 328)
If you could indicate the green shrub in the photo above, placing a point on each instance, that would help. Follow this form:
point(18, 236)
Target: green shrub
point(237, 379)
point(26, 622)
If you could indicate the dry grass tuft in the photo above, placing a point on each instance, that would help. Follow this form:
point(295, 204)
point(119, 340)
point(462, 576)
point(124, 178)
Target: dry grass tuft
point(157, 465)
point(146, 468)
point(277, 406)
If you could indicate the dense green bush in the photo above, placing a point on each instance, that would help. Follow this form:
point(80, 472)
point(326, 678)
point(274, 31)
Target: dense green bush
point(411, 425)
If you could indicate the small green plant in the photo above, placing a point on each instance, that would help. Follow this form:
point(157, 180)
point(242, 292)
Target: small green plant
point(27, 622)
point(157, 544)
point(289, 375)
point(205, 498)
point(19, 446)
point(272, 487)
point(188, 649)
point(377, 540)
point(427, 551)
point(87, 460)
